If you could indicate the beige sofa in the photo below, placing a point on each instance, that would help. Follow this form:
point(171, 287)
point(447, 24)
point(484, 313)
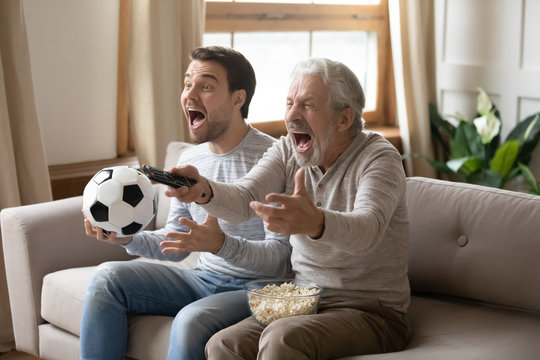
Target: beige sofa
point(474, 271)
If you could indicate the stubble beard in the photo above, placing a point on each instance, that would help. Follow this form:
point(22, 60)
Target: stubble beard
point(215, 129)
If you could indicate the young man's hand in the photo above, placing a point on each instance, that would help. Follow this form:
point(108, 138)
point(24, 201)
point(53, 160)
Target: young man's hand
point(98, 233)
point(207, 236)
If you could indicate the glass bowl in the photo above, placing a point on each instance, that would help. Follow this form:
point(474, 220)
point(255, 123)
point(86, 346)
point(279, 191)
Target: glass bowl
point(272, 299)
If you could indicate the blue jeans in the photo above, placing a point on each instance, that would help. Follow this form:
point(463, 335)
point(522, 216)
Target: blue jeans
point(201, 303)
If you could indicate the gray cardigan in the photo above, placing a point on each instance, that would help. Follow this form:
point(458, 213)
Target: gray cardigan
point(363, 250)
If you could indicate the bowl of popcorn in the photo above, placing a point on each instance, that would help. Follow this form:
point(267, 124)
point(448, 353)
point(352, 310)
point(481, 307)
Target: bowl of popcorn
point(274, 299)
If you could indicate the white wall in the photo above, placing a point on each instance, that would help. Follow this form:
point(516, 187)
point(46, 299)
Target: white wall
point(73, 54)
point(492, 44)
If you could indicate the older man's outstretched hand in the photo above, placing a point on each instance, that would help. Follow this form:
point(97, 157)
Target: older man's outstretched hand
point(296, 214)
point(200, 193)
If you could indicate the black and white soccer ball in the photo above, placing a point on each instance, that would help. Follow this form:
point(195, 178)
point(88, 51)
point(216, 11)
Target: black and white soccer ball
point(119, 199)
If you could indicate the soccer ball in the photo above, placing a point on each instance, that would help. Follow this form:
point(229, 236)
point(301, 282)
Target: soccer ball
point(119, 199)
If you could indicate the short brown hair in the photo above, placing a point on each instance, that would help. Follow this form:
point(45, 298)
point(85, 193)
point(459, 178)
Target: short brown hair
point(240, 74)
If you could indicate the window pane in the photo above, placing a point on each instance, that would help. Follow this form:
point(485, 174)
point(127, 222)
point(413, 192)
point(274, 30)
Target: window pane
point(357, 50)
point(217, 39)
point(272, 56)
point(331, 2)
point(347, 2)
point(278, 1)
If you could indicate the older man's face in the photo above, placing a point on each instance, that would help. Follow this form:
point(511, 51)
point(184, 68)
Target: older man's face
point(310, 120)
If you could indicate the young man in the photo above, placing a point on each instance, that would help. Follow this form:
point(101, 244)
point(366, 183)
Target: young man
point(218, 88)
point(340, 193)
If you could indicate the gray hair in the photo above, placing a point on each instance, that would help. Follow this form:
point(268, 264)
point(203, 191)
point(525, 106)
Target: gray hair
point(343, 85)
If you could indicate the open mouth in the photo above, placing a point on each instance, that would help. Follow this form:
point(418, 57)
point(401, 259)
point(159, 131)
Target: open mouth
point(303, 141)
point(196, 118)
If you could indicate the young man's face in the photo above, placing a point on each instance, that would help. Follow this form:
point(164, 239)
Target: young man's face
point(206, 100)
point(310, 120)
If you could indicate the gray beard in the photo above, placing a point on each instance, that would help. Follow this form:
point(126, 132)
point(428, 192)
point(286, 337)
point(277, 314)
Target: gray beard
point(304, 161)
point(316, 156)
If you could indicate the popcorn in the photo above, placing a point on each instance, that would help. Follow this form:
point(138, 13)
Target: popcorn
point(280, 301)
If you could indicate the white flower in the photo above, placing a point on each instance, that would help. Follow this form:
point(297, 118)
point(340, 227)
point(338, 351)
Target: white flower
point(483, 103)
point(487, 126)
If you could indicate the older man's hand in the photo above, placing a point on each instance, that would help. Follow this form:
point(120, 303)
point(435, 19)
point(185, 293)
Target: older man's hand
point(200, 193)
point(297, 213)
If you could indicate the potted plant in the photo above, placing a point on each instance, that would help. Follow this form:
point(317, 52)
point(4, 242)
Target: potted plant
point(472, 150)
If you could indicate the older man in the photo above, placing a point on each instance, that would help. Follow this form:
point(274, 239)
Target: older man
point(340, 193)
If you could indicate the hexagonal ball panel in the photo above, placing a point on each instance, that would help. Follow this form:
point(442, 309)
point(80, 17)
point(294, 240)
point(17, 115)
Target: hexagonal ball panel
point(110, 192)
point(144, 211)
point(121, 214)
point(125, 175)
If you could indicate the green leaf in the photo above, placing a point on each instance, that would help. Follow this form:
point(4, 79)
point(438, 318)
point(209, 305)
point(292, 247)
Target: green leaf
point(438, 139)
point(438, 121)
point(465, 165)
point(458, 150)
point(441, 130)
point(529, 177)
point(439, 166)
point(527, 132)
point(485, 177)
point(504, 158)
point(476, 147)
point(513, 173)
point(525, 129)
point(473, 164)
point(456, 164)
point(468, 138)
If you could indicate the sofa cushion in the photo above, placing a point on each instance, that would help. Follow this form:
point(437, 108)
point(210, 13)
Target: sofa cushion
point(481, 245)
point(63, 293)
point(62, 297)
point(58, 344)
point(449, 328)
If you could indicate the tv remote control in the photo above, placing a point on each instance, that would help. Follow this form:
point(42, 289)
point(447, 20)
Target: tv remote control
point(167, 178)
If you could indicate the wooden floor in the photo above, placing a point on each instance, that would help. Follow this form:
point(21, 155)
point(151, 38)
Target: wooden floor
point(15, 355)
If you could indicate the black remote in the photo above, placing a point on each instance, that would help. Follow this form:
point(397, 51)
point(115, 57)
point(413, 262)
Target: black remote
point(167, 178)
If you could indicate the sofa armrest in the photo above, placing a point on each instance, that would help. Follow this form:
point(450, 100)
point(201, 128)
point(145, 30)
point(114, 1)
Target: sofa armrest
point(39, 239)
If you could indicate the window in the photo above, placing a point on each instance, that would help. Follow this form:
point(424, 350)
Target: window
point(274, 35)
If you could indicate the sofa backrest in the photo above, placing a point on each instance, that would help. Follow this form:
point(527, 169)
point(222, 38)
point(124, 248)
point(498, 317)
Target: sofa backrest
point(174, 149)
point(474, 242)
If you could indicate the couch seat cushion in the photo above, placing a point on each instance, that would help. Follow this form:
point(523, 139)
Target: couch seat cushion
point(63, 293)
point(62, 297)
point(448, 329)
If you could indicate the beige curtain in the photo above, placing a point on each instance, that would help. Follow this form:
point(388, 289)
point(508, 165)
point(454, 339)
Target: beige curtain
point(413, 51)
point(162, 34)
point(24, 178)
